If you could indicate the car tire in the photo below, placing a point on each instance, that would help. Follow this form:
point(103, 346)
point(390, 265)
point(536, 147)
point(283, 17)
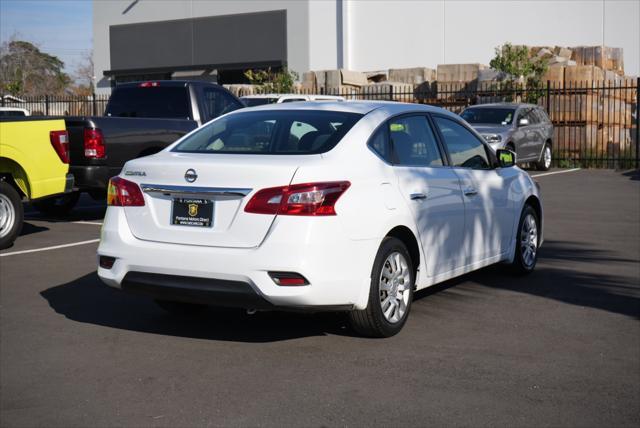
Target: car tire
point(11, 215)
point(527, 242)
point(181, 308)
point(392, 272)
point(57, 206)
point(544, 163)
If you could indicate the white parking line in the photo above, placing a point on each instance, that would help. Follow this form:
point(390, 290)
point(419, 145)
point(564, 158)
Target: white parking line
point(55, 247)
point(557, 172)
point(96, 223)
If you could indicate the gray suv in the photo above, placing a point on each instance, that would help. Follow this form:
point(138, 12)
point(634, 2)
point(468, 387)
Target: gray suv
point(522, 128)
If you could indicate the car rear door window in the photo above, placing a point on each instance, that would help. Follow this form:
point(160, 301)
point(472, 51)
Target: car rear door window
point(412, 142)
point(465, 149)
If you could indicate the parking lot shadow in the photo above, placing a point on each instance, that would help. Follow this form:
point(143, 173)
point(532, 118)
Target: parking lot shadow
point(87, 300)
point(28, 229)
point(570, 273)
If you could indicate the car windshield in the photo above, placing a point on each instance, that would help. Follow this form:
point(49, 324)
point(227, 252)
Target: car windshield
point(497, 116)
point(252, 102)
point(271, 132)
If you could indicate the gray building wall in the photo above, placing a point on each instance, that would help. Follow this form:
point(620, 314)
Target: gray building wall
point(367, 35)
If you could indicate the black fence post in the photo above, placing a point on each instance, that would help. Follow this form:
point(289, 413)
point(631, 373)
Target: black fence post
point(638, 123)
point(93, 100)
point(2, 98)
point(548, 96)
point(46, 105)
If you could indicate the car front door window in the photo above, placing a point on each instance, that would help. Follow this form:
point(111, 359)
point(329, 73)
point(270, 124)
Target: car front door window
point(465, 150)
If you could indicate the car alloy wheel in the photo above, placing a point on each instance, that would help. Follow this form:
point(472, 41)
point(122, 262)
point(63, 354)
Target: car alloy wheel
point(7, 216)
point(529, 241)
point(547, 157)
point(395, 287)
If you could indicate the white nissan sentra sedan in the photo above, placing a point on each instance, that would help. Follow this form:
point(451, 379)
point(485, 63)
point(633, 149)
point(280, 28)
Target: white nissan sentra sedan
point(335, 206)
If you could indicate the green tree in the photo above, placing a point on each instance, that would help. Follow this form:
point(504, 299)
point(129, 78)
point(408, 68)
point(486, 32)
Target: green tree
point(272, 81)
point(26, 70)
point(520, 67)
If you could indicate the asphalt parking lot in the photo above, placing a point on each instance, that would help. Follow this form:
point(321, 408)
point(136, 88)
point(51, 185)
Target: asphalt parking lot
point(560, 347)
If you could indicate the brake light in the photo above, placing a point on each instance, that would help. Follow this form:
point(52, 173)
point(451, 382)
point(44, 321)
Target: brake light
point(60, 142)
point(124, 193)
point(93, 143)
point(149, 84)
point(310, 199)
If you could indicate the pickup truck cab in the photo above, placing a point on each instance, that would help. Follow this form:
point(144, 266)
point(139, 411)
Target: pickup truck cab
point(140, 119)
point(34, 164)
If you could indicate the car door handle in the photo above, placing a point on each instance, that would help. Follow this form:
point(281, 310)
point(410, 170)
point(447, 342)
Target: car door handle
point(418, 196)
point(470, 191)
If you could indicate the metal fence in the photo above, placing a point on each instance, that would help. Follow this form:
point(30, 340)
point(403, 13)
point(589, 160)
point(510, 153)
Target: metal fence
point(66, 105)
point(596, 123)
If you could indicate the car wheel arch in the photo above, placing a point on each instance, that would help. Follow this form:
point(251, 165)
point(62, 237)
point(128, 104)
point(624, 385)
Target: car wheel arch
point(409, 239)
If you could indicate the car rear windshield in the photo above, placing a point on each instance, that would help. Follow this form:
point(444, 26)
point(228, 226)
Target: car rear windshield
point(495, 116)
point(293, 132)
point(150, 102)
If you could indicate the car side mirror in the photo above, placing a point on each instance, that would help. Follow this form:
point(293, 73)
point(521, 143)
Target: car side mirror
point(506, 158)
point(523, 122)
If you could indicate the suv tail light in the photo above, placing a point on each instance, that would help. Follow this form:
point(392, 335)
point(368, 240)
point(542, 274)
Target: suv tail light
point(124, 193)
point(312, 199)
point(149, 84)
point(60, 142)
point(93, 143)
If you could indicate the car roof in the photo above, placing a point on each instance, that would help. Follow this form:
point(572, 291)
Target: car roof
point(361, 107)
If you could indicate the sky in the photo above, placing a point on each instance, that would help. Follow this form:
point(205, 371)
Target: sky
point(63, 28)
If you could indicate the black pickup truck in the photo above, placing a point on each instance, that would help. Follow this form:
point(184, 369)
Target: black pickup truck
point(141, 118)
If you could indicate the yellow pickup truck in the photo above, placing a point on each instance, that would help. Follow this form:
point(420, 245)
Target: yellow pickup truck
point(34, 164)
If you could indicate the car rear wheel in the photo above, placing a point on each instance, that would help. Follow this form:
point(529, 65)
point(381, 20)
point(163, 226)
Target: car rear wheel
point(58, 205)
point(527, 242)
point(545, 159)
point(390, 294)
point(11, 215)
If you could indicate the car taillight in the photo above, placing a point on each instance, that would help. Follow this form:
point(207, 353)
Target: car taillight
point(124, 193)
point(93, 143)
point(312, 199)
point(149, 84)
point(60, 142)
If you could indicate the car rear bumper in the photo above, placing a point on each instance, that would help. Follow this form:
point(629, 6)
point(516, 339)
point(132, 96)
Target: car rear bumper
point(337, 268)
point(90, 176)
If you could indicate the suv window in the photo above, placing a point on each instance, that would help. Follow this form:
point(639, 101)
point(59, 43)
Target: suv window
point(464, 148)
point(528, 113)
point(216, 103)
point(151, 102)
point(271, 132)
point(542, 115)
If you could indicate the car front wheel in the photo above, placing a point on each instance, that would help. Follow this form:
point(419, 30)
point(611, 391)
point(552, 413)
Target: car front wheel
point(527, 242)
point(545, 159)
point(390, 294)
